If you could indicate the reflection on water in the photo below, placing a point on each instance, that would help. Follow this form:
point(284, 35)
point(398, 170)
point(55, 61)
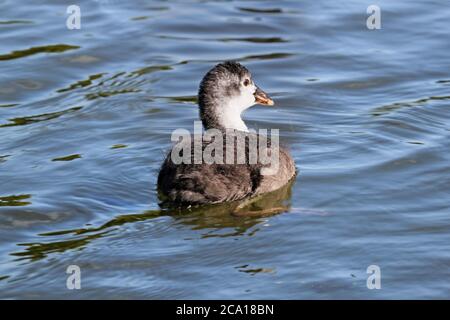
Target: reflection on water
point(16, 22)
point(15, 200)
point(255, 10)
point(119, 146)
point(249, 39)
point(105, 94)
point(36, 251)
point(277, 55)
point(82, 83)
point(398, 105)
point(35, 50)
point(37, 118)
point(247, 269)
point(256, 39)
point(68, 158)
point(3, 277)
point(220, 220)
point(3, 158)
point(85, 123)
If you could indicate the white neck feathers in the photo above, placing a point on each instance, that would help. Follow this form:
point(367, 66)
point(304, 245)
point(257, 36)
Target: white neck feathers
point(229, 116)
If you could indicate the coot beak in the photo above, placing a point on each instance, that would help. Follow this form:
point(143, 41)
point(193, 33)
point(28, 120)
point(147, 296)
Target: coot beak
point(262, 98)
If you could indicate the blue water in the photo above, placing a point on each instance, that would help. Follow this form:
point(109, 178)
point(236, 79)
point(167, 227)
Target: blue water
point(85, 122)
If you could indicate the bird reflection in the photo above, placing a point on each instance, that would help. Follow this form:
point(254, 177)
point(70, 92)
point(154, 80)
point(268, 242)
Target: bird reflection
point(220, 220)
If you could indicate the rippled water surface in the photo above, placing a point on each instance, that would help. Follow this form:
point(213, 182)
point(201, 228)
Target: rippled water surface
point(86, 117)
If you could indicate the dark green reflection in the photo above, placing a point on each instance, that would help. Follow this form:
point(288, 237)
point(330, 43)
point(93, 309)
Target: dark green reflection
point(140, 18)
point(3, 277)
point(269, 56)
point(15, 200)
point(36, 50)
point(119, 146)
point(253, 271)
point(399, 105)
point(254, 10)
point(256, 40)
point(36, 251)
point(82, 83)
point(192, 99)
point(222, 220)
point(68, 158)
point(38, 118)
point(16, 22)
point(3, 158)
point(149, 69)
point(105, 94)
point(228, 39)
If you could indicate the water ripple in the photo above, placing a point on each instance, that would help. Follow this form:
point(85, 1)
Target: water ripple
point(56, 48)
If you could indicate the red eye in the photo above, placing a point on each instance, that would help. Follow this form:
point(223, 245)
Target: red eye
point(246, 82)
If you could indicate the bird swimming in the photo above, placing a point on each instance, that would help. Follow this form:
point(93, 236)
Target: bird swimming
point(225, 92)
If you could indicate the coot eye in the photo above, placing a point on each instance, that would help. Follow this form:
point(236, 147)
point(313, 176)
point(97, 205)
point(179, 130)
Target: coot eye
point(246, 82)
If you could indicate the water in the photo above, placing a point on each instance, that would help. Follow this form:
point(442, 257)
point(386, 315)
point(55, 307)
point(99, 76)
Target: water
point(86, 117)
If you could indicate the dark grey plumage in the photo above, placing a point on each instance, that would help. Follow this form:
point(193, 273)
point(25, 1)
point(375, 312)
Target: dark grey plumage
point(190, 184)
point(207, 183)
